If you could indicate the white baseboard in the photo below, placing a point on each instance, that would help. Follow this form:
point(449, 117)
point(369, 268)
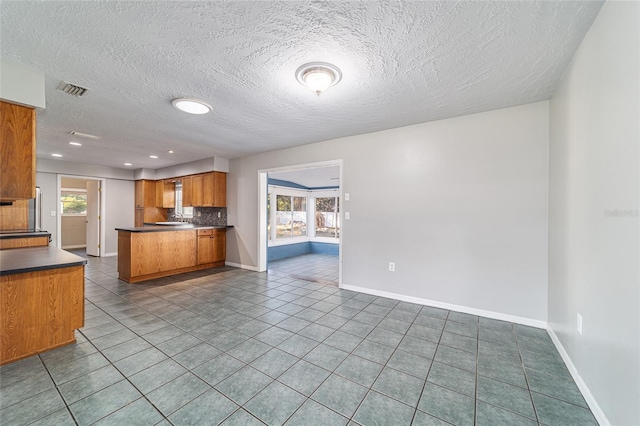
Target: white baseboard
point(115, 253)
point(77, 246)
point(586, 393)
point(458, 308)
point(238, 265)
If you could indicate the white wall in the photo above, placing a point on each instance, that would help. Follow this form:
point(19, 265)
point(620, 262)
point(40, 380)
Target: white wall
point(460, 205)
point(593, 258)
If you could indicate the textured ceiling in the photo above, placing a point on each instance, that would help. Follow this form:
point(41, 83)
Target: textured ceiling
point(402, 62)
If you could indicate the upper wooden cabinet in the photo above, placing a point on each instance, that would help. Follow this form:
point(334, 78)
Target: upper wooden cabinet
point(17, 152)
point(187, 192)
point(145, 193)
point(214, 189)
point(169, 193)
point(196, 190)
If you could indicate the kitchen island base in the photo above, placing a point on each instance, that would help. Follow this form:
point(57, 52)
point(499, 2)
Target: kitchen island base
point(145, 253)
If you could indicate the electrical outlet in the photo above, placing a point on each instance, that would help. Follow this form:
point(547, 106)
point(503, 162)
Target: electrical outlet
point(579, 324)
point(219, 215)
point(346, 196)
point(392, 267)
point(53, 212)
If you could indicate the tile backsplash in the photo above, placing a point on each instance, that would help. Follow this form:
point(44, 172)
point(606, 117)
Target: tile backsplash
point(204, 216)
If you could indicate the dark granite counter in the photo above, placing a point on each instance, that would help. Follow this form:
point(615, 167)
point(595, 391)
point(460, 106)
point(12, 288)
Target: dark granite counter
point(18, 261)
point(23, 234)
point(164, 228)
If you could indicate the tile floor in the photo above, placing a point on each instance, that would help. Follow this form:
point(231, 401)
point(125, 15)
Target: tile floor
point(242, 348)
point(314, 267)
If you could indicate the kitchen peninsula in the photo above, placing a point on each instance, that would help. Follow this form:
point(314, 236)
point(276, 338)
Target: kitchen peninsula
point(149, 252)
point(42, 293)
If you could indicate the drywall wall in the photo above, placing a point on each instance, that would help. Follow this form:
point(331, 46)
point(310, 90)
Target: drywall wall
point(74, 231)
point(119, 212)
point(460, 205)
point(21, 85)
point(593, 213)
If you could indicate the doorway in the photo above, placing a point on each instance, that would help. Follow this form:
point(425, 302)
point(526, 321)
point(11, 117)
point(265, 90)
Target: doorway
point(300, 236)
point(80, 213)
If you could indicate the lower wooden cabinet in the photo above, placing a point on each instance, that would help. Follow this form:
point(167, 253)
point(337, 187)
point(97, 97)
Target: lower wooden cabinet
point(144, 255)
point(212, 246)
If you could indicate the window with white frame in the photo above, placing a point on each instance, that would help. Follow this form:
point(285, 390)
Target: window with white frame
point(296, 215)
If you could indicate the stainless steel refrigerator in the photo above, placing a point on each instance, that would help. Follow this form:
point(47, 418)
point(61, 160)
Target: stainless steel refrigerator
point(35, 211)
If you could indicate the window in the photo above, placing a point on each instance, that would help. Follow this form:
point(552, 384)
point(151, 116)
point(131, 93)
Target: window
point(327, 217)
point(291, 216)
point(73, 203)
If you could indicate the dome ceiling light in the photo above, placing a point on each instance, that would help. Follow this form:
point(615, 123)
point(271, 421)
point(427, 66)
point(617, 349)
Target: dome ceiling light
point(318, 76)
point(192, 106)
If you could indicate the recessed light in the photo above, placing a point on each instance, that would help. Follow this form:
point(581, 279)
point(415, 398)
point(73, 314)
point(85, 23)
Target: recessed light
point(192, 106)
point(153, 156)
point(128, 164)
point(170, 151)
point(75, 143)
point(84, 135)
point(56, 155)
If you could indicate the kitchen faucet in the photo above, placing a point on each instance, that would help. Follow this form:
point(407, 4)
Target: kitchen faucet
point(179, 216)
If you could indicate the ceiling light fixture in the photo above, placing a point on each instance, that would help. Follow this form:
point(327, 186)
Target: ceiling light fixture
point(170, 151)
point(75, 143)
point(192, 106)
point(128, 164)
point(318, 76)
point(153, 156)
point(84, 135)
point(56, 155)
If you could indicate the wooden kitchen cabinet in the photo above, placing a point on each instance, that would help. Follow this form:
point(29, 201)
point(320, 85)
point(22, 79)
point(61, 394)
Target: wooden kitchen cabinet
point(187, 192)
point(214, 189)
point(17, 152)
point(197, 190)
point(145, 193)
point(159, 193)
point(169, 194)
point(212, 246)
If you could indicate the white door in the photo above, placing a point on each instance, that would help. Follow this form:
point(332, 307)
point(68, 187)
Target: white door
point(93, 218)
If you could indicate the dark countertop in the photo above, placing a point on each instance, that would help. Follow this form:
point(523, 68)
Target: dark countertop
point(164, 228)
point(18, 261)
point(23, 234)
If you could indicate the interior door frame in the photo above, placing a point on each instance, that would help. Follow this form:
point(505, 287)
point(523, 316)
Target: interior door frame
point(103, 198)
point(262, 209)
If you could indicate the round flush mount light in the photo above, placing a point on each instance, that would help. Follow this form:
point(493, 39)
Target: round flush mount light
point(192, 106)
point(318, 76)
point(56, 155)
point(75, 143)
point(128, 164)
point(153, 156)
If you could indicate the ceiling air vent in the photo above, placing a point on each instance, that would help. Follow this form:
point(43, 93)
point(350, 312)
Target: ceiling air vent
point(72, 89)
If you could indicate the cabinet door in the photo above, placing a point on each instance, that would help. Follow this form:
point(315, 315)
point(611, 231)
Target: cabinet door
point(139, 193)
point(207, 189)
point(17, 152)
point(187, 192)
point(197, 190)
point(149, 193)
point(219, 189)
point(139, 216)
point(169, 194)
point(205, 249)
point(159, 193)
point(219, 246)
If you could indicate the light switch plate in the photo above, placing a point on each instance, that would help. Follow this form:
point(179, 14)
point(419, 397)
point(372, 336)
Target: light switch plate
point(346, 196)
point(347, 215)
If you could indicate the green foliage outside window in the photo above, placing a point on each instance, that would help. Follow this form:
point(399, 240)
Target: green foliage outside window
point(74, 203)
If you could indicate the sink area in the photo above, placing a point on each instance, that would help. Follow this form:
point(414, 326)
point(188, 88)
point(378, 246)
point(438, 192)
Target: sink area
point(174, 223)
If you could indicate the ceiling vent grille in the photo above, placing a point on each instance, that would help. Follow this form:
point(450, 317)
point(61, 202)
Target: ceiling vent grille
point(73, 89)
